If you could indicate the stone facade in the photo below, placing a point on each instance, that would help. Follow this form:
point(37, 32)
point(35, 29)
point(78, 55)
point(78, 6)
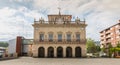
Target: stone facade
point(59, 37)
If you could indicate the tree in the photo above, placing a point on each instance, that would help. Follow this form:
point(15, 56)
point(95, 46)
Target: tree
point(98, 48)
point(118, 48)
point(109, 51)
point(113, 50)
point(103, 48)
point(3, 44)
point(118, 44)
point(91, 47)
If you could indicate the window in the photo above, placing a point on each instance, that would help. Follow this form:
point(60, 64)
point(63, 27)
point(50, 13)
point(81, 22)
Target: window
point(41, 37)
point(59, 37)
point(50, 37)
point(77, 37)
point(68, 37)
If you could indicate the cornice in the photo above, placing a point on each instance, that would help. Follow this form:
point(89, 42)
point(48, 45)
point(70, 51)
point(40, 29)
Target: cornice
point(58, 25)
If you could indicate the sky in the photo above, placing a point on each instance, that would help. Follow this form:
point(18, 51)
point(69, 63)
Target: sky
point(17, 16)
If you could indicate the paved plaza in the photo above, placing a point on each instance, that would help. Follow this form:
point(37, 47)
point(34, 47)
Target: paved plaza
point(61, 61)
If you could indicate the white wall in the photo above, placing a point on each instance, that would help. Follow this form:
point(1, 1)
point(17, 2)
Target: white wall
point(12, 46)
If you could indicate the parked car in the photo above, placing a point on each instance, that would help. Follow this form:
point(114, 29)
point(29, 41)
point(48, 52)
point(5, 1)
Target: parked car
point(103, 55)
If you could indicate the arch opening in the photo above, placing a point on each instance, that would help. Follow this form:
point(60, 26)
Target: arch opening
point(78, 52)
point(59, 52)
point(50, 52)
point(68, 52)
point(41, 52)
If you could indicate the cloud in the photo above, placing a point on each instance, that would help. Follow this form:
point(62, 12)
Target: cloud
point(105, 15)
point(99, 14)
point(15, 22)
point(7, 12)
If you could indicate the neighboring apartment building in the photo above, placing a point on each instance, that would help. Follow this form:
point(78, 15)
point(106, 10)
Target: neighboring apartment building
point(111, 35)
point(59, 37)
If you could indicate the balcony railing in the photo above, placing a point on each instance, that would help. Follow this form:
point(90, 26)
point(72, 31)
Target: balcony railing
point(55, 22)
point(108, 32)
point(60, 41)
point(108, 36)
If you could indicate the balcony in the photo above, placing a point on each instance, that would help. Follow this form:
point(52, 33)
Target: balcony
point(63, 41)
point(101, 35)
point(59, 40)
point(51, 40)
point(108, 32)
point(55, 22)
point(108, 40)
point(68, 40)
point(108, 36)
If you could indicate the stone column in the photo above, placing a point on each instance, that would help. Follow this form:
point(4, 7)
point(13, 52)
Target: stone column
point(35, 54)
point(45, 52)
point(35, 51)
point(55, 52)
point(83, 51)
point(64, 52)
point(73, 52)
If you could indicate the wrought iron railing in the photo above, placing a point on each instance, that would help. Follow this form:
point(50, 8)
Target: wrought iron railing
point(60, 41)
point(53, 22)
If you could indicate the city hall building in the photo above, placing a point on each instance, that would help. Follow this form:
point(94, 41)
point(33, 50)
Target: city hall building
point(59, 37)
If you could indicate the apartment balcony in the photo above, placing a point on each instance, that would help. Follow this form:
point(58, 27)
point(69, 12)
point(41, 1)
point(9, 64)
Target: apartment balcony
point(108, 31)
point(101, 35)
point(108, 36)
point(63, 41)
point(108, 41)
point(102, 40)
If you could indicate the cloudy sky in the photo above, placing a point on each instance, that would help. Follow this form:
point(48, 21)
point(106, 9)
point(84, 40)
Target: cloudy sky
point(17, 16)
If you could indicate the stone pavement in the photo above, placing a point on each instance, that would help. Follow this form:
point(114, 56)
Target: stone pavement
point(61, 61)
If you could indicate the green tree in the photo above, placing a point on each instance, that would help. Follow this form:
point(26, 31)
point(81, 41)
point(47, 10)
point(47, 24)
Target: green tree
point(109, 51)
point(103, 48)
point(118, 45)
point(98, 48)
point(114, 49)
point(3, 44)
point(118, 48)
point(91, 47)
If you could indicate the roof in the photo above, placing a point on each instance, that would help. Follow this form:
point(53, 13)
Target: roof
point(27, 41)
point(110, 27)
point(58, 15)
